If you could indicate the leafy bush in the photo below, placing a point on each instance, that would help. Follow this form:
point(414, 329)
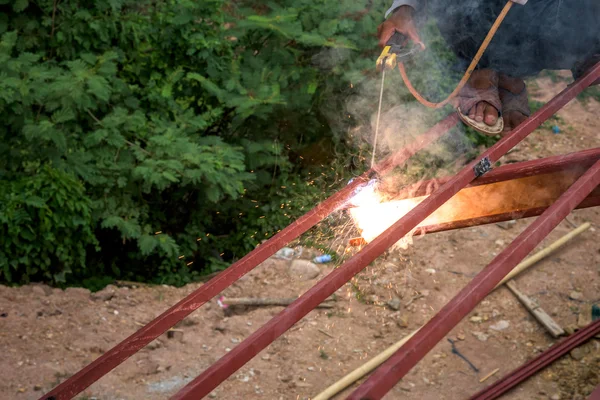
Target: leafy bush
point(38, 213)
point(157, 139)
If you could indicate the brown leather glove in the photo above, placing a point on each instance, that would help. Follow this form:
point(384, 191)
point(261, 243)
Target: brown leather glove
point(401, 21)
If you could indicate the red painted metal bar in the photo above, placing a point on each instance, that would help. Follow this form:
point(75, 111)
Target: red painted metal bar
point(596, 394)
point(580, 160)
point(260, 339)
point(462, 304)
point(543, 360)
point(118, 354)
point(593, 200)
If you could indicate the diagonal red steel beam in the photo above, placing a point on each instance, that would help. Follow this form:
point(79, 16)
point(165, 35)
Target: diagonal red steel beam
point(260, 339)
point(121, 352)
point(580, 160)
point(596, 394)
point(529, 369)
point(398, 365)
point(593, 200)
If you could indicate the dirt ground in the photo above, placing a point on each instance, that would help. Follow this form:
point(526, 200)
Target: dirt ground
point(49, 334)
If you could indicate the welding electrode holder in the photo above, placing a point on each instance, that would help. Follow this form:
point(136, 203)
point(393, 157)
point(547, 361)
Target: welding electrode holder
point(394, 52)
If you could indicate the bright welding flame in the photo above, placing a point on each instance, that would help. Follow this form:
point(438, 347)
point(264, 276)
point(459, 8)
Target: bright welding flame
point(373, 216)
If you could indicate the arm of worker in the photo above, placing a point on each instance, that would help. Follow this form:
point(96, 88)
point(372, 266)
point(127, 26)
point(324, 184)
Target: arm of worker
point(401, 20)
point(416, 4)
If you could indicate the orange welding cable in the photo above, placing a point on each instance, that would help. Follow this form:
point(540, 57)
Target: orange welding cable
point(470, 70)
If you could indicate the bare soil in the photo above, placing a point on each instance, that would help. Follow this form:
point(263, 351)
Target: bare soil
point(49, 334)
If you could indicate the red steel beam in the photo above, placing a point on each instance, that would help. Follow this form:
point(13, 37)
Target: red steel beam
point(543, 360)
point(593, 200)
point(397, 366)
point(580, 160)
point(265, 335)
point(121, 352)
point(596, 394)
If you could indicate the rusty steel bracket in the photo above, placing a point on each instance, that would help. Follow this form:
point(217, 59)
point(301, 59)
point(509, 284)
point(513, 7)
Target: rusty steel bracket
point(482, 167)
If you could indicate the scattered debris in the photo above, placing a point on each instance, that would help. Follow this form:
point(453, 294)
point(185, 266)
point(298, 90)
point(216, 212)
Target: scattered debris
point(430, 271)
point(575, 295)
point(488, 376)
point(326, 333)
point(556, 129)
point(414, 298)
point(175, 334)
point(394, 304)
point(500, 326)
point(285, 254)
point(480, 336)
point(456, 352)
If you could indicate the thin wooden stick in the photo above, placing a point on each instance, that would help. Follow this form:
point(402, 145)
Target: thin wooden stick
point(375, 362)
point(262, 302)
point(488, 376)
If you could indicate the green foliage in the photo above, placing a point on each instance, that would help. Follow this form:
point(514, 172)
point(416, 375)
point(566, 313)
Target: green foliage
point(46, 227)
point(158, 140)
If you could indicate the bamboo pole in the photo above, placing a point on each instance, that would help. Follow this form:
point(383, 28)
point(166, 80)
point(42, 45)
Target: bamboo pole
point(376, 361)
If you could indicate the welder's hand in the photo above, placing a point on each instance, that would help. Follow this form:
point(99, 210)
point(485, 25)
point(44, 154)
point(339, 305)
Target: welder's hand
point(401, 21)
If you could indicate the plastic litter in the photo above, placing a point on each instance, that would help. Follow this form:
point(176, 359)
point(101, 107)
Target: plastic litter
point(556, 129)
point(285, 254)
point(324, 259)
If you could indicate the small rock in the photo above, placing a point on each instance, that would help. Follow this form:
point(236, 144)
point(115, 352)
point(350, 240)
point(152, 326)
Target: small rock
point(115, 312)
point(227, 349)
point(235, 340)
point(499, 242)
point(476, 319)
point(394, 303)
point(555, 397)
point(402, 322)
point(219, 328)
point(212, 395)
point(506, 225)
point(266, 357)
point(430, 271)
point(285, 378)
point(37, 388)
point(405, 388)
point(578, 353)
point(461, 336)
point(41, 290)
point(500, 326)
point(311, 368)
point(105, 294)
point(178, 335)
point(304, 270)
point(425, 292)
point(575, 295)
point(480, 336)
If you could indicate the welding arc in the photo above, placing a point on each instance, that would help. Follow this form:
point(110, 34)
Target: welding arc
point(470, 70)
point(378, 118)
